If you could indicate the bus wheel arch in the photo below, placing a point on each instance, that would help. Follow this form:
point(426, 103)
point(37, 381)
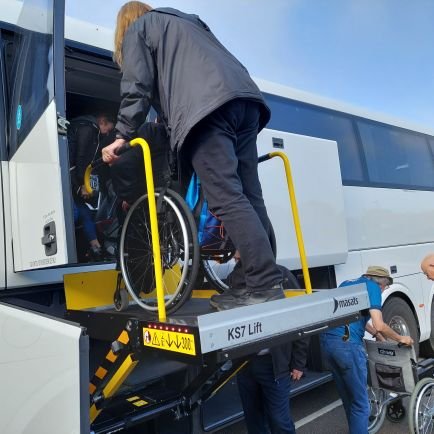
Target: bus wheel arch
point(399, 315)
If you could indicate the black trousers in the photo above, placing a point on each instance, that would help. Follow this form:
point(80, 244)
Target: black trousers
point(222, 150)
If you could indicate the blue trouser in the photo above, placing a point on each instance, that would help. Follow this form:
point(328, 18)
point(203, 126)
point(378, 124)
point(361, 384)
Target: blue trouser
point(347, 361)
point(265, 400)
point(223, 152)
point(83, 214)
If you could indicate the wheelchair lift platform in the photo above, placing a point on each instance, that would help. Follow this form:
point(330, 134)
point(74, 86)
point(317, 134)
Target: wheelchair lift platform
point(214, 345)
point(196, 330)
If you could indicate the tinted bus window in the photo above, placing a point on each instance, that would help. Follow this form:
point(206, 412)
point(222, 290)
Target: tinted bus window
point(396, 157)
point(431, 144)
point(300, 118)
point(33, 87)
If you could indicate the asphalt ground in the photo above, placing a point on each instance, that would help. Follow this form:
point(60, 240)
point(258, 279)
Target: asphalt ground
point(320, 411)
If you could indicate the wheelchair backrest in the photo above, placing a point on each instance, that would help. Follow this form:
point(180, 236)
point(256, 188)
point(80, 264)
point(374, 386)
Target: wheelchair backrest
point(391, 367)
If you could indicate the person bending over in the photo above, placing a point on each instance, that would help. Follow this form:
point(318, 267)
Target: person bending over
point(213, 112)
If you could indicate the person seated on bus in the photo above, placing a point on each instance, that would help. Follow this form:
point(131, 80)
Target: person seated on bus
point(84, 140)
point(345, 353)
point(427, 266)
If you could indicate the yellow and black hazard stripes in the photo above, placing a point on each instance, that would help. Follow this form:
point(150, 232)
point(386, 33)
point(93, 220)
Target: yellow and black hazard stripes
point(108, 364)
point(115, 381)
point(112, 372)
point(137, 401)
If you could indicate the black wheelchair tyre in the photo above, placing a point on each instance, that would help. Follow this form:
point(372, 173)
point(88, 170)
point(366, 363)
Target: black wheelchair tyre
point(179, 251)
point(395, 412)
point(121, 300)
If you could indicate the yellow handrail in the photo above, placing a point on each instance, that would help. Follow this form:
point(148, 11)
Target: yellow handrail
point(296, 219)
point(154, 226)
point(153, 216)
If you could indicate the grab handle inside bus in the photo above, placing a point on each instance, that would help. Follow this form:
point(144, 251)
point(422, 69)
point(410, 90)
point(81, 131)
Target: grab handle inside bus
point(98, 163)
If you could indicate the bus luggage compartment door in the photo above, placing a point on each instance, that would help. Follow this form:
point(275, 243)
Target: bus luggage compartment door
point(44, 374)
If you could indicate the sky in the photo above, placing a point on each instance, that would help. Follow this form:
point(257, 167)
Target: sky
point(373, 54)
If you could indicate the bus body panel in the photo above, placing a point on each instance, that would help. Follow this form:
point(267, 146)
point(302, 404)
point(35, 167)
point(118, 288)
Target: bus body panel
point(387, 217)
point(43, 376)
point(318, 189)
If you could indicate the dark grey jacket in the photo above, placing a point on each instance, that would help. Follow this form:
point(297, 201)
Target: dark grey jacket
point(173, 62)
point(287, 357)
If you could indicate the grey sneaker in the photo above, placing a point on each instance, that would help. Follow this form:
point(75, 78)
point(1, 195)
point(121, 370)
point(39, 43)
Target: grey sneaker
point(249, 298)
point(229, 295)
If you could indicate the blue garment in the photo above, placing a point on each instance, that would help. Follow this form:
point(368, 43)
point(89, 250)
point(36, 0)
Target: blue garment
point(83, 215)
point(357, 328)
point(265, 400)
point(348, 363)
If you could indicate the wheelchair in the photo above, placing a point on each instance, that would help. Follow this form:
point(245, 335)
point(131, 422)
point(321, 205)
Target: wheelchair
point(184, 263)
point(393, 375)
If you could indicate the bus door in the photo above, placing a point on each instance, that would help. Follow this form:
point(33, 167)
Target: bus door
point(41, 204)
point(3, 157)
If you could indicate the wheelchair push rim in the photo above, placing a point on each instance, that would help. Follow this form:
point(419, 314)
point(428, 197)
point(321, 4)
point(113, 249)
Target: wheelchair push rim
point(176, 266)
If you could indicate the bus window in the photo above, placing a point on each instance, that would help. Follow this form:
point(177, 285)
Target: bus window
point(396, 157)
point(431, 145)
point(33, 87)
point(300, 118)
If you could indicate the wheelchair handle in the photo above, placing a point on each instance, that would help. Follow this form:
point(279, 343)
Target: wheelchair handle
point(400, 345)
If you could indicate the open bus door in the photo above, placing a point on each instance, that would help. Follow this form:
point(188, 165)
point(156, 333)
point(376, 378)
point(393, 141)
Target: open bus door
point(3, 156)
point(41, 204)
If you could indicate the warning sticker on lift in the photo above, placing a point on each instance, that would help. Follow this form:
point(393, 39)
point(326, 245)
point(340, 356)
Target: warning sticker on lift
point(169, 341)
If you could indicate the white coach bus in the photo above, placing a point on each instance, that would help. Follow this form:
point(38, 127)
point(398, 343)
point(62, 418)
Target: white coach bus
point(364, 183)
point(387, 172)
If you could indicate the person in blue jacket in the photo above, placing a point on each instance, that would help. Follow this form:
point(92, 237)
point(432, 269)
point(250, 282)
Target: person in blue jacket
point(345, 353)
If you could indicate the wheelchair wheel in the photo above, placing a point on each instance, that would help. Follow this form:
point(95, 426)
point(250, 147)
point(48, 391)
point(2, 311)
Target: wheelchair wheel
point(421, 409)
point(217, 267)
point(179, 252)
point(121, 300)
point(377, 413)
point(395, 411)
